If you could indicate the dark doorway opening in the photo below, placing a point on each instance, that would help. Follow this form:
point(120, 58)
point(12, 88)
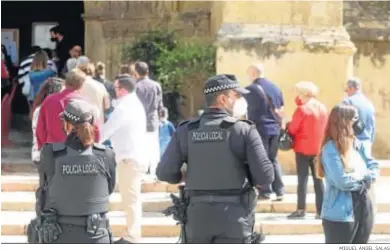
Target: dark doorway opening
point(21, 15)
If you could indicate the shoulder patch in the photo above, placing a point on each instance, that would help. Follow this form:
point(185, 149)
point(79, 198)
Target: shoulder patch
point(57, 147)
point(99, 146)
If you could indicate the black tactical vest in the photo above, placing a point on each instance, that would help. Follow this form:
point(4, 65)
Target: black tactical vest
point(79, 185)
point(211, 163)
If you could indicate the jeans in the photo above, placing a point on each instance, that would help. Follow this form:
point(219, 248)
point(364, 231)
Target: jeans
point(356, 232)
point(270, 143)
point(303, 163)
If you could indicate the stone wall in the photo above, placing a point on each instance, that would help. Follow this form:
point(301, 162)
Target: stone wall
point(368, 23)
point(111, 24)
point(296, 40)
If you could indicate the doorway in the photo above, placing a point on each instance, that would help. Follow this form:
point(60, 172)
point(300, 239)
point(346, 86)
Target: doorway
point(22, 15)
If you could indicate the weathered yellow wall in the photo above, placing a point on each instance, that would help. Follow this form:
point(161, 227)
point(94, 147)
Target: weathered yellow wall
point(110, 24)
point(283, 12)
point(293, 41)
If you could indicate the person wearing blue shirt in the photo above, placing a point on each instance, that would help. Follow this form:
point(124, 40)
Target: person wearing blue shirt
point(347, 210)
point(39, 73)
point(166, 130)
point(365, 109)
point(265, 108)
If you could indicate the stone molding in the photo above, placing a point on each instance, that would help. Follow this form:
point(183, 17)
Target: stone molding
point(313, 39)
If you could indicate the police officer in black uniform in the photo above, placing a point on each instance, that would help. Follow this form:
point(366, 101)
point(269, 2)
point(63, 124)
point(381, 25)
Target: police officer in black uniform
point(225, 160)
point(76, 179)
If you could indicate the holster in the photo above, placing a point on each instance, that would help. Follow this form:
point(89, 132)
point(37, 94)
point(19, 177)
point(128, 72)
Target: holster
point(47, 226)
point(94, 224)
point(179, 211)
point(255, 238)
point(249, 199)
point(32, 231)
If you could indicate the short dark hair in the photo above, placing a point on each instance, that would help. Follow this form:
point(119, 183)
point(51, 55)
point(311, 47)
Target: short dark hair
point(211, 99)
point(35, 49)
point(57, 30)
point(49, 52)
point(126, 81)
point(141, 68)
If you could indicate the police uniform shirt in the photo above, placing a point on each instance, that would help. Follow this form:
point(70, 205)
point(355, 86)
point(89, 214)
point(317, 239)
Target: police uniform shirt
point(244, 140)
point(46, 168)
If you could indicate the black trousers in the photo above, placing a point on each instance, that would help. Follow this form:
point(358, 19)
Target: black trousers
point(303, 163)
point(218, 223)
point(357, 232)
point(72, 234)
point(270, 143)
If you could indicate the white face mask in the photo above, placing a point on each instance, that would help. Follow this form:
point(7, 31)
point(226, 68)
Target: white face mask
point(240, 108)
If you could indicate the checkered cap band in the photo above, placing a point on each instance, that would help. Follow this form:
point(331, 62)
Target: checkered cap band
point(220, 88)
point(71, 117)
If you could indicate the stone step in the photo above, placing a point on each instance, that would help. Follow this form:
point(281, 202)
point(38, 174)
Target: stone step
point(29, 183)
point(270, 239)
point(157, 202)
point(156, 225)
point(18, 165)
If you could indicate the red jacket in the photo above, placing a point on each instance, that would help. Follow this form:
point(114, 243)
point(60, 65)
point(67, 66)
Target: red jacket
point(308, 126)
point(4, 71)
point(49, 125)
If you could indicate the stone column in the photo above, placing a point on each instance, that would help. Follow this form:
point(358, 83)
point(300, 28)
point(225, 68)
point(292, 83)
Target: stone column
point(295, 40)
point(94, 44)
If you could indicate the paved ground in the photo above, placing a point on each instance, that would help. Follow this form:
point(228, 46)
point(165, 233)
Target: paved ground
point(270, 239)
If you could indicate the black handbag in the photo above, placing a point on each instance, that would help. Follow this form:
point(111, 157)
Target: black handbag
point(286, 142)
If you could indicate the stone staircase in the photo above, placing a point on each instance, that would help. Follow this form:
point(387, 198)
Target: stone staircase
point(19, 181)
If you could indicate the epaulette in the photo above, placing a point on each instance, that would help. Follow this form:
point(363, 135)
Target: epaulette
point(248, 121)
point(194, 124)
point(99, 146)
point(230, 119)
point(183, 123)
point(57, 147)
point(228, 122)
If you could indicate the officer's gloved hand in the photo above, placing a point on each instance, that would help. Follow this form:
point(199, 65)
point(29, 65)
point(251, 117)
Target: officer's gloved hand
point(49, 230)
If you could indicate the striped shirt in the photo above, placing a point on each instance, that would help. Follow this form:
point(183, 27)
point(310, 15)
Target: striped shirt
point(25, 67)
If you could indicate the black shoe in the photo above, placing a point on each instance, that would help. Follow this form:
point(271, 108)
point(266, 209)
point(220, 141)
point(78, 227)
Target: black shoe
point(122, 241)
point(299, 214)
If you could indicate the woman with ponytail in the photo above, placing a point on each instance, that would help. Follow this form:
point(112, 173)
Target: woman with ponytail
point(81, 174)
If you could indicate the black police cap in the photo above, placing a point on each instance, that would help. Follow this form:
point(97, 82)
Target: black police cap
point(78, 111)
point(223, 82)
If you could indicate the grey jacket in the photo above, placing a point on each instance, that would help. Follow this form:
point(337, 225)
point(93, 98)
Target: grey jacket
point(150, 94)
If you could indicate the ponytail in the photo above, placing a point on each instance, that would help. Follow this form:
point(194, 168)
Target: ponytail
point(86, 133)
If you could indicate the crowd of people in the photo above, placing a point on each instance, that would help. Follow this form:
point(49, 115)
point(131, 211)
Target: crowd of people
point(335, 146)
point(74, 110)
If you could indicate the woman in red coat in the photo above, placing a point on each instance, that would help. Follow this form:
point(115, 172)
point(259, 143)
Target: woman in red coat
point(307, 129)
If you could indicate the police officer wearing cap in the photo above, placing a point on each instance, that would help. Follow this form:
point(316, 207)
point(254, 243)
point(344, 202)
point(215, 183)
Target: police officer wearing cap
point(76, 179)
point(225, 161)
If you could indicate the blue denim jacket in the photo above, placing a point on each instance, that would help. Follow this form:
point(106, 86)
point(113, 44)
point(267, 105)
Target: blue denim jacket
point(337, 204)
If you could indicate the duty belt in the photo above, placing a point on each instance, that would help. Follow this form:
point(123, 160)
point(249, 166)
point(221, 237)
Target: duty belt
point(215, 199)
point(82, 220)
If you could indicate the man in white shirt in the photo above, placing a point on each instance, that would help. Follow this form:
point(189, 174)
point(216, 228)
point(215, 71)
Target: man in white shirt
point(126, 128)
point(93, 91)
